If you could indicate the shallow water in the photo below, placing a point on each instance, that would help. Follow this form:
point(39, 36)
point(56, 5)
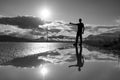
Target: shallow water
point(24, 61)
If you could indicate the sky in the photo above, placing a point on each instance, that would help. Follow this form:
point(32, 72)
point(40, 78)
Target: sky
point(94, 12)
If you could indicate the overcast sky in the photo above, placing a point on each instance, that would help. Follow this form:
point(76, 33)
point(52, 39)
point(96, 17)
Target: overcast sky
point(97, 12)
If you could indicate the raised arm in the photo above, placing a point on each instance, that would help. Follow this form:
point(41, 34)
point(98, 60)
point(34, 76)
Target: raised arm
point(73, 23)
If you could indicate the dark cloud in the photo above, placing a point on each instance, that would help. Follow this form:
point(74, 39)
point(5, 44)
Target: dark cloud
point(24, 22)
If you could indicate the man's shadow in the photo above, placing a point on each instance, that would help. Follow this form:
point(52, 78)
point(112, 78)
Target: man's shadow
point(79, 57)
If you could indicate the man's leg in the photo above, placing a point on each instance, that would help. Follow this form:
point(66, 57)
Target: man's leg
point(80, 39)
point(76, 41)
point(77, 36)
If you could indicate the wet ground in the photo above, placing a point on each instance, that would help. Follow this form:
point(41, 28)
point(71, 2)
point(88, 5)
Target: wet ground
point(25, 61)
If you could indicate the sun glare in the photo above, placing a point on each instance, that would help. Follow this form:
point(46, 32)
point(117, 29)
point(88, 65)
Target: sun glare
point(44, 71)
point(45, 13)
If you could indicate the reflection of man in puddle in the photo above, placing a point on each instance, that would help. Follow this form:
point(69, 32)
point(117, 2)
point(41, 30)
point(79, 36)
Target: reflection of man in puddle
point(80, 59)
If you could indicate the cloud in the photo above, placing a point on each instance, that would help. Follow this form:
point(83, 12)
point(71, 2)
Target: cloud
point(99, 29)
point(66, 33)
point(19, 32)
point(55, 30)
point(59, 28)
point(24, 22)
point(57, 25)
point(9, 29)
point(70, 31)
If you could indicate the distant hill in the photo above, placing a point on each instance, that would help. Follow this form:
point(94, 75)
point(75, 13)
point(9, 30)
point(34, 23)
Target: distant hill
point(6, 38)
point(104, 40)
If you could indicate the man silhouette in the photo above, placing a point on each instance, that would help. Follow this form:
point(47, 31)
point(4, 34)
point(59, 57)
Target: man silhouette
point(80, 31)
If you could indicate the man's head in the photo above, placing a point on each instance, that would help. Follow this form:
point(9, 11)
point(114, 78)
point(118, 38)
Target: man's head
point(80, 20)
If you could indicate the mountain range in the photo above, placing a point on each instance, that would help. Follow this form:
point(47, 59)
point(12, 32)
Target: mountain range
point(109, 40)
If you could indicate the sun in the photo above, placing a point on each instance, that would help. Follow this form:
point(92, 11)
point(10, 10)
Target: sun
point(44, 13)
point(44, 71)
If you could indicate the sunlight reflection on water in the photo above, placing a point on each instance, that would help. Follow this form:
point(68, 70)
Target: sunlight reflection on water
point(60, 57)
point(27, 48)
point(10, 50)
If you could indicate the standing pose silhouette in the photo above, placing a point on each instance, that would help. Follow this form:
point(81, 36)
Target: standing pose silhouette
point(80, 31)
